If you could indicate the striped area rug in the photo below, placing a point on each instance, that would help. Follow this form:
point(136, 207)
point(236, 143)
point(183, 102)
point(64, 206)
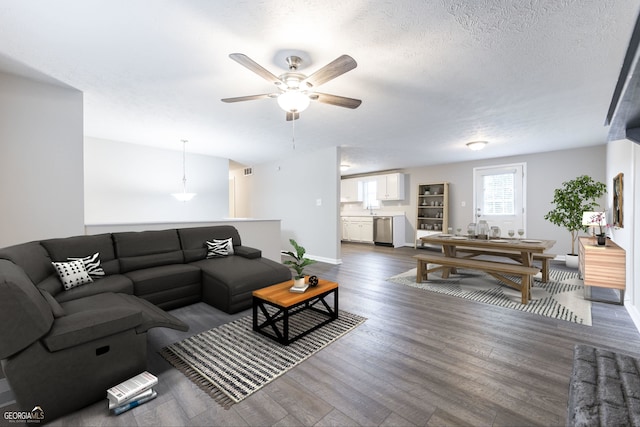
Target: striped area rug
point(560, 298)
point(232, 361)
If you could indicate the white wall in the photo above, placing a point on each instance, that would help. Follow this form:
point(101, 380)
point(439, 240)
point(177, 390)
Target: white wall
point(633, 282)
point(546, 172)
point(622, 157)
point(259, 234)
point(41, 177)
point(290, 189)
point(242, 193)
point(133, 183)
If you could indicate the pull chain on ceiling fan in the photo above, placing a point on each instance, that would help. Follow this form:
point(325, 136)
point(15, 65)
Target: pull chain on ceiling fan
point(293, 134)
point(296, 90)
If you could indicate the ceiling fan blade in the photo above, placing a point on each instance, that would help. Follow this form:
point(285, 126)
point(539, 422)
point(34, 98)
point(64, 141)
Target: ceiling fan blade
point(340, 101)
point(330, 71)
point(248, 98)
point(249, 63)
point(292, 116)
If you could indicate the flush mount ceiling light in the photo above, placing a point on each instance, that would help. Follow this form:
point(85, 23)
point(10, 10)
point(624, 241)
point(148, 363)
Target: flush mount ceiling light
point(477, 145)
point(184, 196)
point(344, 167)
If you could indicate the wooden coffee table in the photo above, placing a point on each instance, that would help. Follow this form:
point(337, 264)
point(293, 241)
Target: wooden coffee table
point(287, 304)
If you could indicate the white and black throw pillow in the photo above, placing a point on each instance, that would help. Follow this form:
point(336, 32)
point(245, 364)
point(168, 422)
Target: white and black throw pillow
point(219, 248)
point(72, 274)
point(92, 264)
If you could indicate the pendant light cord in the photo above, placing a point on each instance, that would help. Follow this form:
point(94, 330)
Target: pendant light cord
point(184, 166)
point(293, 130)
point(184, 196)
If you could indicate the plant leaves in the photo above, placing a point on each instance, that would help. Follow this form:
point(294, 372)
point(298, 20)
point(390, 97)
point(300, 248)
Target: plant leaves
point(300, 261)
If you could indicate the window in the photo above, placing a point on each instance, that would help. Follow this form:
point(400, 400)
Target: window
point(499, 194)
point(370, 189)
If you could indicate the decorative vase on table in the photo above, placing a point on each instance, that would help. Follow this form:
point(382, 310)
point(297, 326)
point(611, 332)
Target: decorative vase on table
point(471, 229)
point(602, 239)
point(482, 231)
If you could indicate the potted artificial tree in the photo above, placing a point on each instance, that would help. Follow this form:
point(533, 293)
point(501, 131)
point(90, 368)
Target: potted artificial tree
point(298, 263)
point(571, 200)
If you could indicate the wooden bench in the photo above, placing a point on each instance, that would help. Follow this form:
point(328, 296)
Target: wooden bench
point(544, 258)
point(494, 268)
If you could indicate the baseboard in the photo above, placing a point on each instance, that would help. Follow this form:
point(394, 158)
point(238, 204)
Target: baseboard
point(419, 245)
point(633, 313)
point(334, 261)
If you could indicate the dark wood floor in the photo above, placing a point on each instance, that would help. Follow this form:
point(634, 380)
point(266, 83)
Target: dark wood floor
point(420, 359)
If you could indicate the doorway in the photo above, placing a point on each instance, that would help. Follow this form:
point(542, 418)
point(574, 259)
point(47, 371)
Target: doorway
point(499, 197)
point(232, 197)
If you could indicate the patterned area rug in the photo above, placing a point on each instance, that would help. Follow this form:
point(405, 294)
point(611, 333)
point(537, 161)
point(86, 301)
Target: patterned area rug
point(232, 361)
point(560, 298)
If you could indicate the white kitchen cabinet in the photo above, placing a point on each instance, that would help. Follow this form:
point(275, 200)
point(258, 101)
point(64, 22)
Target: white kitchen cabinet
point(351, 190)
point(366, 230)
point(357, 229)
point(345, 228)
point(390, 186)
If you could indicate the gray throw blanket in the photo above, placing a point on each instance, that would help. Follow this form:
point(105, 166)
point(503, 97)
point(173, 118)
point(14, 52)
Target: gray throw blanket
point(604, 388)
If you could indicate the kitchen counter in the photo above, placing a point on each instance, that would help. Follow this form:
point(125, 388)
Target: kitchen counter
point(386, 228)
point(367, 214)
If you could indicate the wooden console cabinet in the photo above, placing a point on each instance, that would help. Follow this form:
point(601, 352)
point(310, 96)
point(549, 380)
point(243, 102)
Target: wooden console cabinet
point(602, 266)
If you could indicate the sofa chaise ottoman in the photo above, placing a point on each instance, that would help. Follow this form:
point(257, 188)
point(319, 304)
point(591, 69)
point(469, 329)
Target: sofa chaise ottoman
point(62, 348)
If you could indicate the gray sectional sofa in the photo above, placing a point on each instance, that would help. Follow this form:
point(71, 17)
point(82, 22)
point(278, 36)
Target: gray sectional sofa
point(61, 349)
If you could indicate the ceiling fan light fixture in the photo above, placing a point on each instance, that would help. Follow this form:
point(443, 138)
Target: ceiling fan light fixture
point(477, 145)
point(293, 101)
point(293, 86)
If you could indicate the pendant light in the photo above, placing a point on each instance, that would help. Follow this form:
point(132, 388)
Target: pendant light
point(184, 196)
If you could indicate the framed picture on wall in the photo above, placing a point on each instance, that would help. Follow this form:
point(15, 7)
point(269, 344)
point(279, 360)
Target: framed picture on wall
point(617, 200)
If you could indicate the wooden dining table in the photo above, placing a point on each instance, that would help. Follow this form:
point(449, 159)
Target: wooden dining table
point(515, 250)
point(526, 247)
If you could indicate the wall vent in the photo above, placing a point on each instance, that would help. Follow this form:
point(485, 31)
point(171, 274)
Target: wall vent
point(248, 171)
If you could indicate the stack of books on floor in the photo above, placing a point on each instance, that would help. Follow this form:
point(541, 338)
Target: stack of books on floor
point(132, 392)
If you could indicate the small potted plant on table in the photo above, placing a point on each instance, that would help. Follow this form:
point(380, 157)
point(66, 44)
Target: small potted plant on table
point(298, 263)
point(599, 219)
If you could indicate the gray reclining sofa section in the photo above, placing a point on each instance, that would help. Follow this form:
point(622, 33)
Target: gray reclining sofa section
point(62, 349)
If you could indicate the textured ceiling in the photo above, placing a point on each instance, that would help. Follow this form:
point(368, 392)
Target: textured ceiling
point(526, 75)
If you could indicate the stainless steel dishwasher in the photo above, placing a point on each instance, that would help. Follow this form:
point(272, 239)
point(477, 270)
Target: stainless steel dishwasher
point(383, 230)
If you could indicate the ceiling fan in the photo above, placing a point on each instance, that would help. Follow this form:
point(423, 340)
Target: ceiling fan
point(296, 90)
